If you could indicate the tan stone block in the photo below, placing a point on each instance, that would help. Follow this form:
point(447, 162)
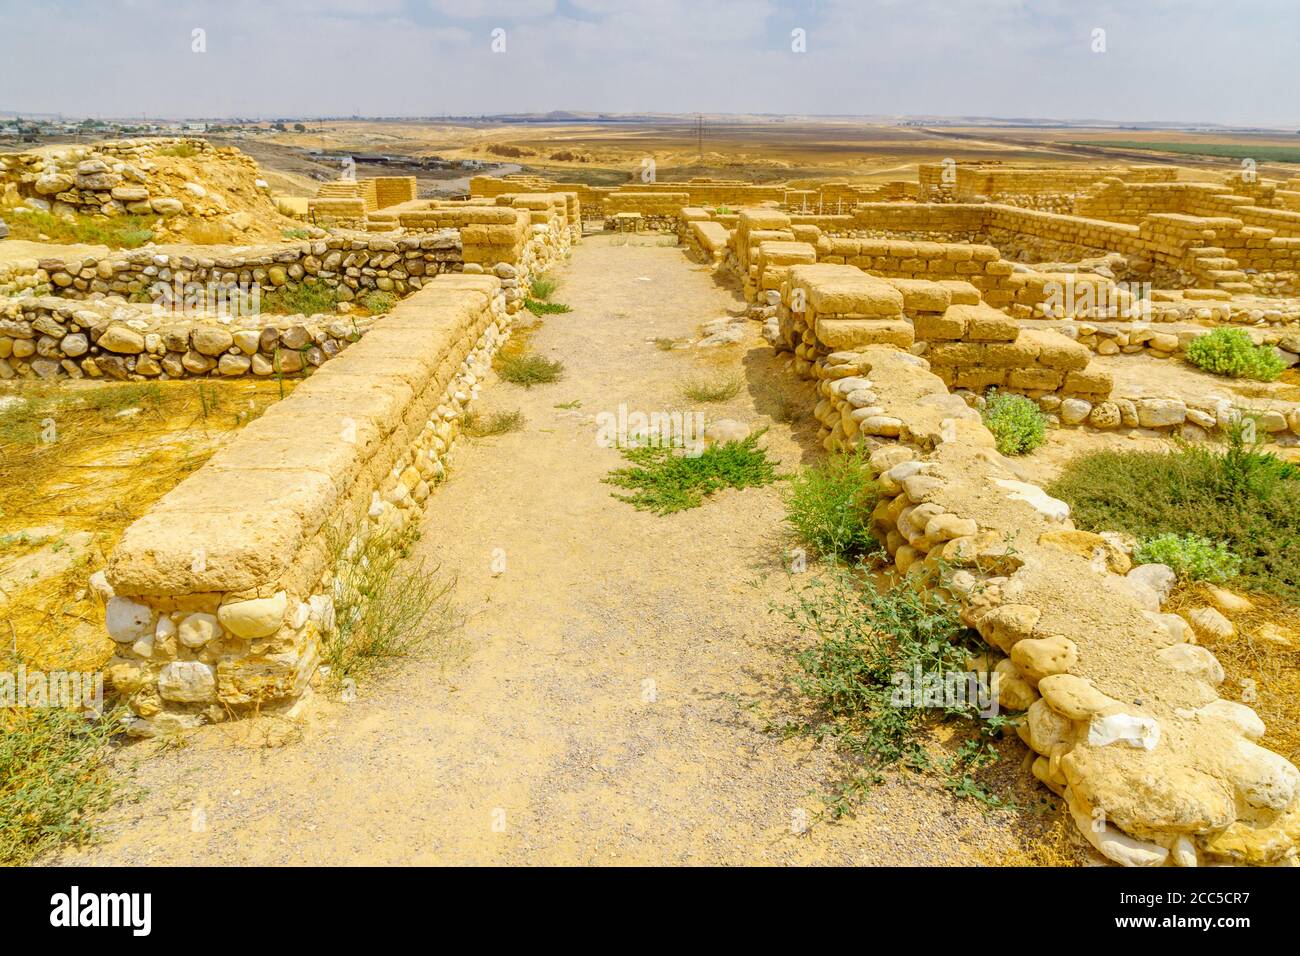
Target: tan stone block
point(1057, 351)
point(856, 333)
point(1089, 381)
point(931, 327)
point(980, 378)
point(1035, 378)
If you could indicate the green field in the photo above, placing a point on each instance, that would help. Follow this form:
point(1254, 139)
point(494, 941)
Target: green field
point(1270, 154)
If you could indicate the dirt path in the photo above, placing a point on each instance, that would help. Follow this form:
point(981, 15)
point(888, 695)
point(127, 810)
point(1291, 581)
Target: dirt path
point(610, 701)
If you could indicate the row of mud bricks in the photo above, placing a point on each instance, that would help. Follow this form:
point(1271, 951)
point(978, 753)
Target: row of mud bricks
point(1120, 705)
point(217, 598)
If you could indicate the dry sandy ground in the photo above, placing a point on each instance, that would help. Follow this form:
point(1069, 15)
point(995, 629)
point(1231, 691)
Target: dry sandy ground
point(608, 696)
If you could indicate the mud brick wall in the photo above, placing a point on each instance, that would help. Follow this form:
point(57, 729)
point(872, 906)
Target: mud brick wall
point(392, 190)
point(218, 596)
point(980, 265)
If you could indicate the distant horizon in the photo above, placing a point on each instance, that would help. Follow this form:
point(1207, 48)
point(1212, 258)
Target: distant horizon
point(1112, 61)
point(578, 116)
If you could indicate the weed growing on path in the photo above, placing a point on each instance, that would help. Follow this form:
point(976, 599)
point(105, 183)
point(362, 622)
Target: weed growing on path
point(863, 638)
point(1233, 353)
point(545, 308)
point(498, 423)
point(385, 605)
point(828, 505)
point(1017, 425)
point(711, 388)
point(528, 368)
point(53, 777)
point(664, 480)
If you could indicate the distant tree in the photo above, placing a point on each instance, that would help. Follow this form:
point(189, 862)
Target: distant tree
point(299, 128)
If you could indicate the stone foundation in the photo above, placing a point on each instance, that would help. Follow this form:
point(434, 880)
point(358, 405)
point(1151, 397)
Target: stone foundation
point(217, 597)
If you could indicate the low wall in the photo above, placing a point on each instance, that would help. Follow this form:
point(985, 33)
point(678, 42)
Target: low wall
point(349, 264)
point(47, 337)
point(97, 319)
point(1119, 704)
point(218, 595)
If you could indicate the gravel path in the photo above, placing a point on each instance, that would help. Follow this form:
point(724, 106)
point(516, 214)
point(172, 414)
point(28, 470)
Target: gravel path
point(608, 694)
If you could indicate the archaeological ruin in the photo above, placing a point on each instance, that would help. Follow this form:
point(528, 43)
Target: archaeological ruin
point(902, 303)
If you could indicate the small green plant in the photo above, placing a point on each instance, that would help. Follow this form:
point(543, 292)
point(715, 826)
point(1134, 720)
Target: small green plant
point(665, 345)
point(711, 388)
point(295, 233)
point(1193, 557)
point(377, 302)
point(302, 298)
point(539, 308)
point(569, 406)
point(498, 423)
point(529, 369)
point(828, 505)
point(869, 644)
point(1017, 425)
point(541, 288)
point(385, 604)
point(664, 480)
point(1231, 352)
point(53, 777)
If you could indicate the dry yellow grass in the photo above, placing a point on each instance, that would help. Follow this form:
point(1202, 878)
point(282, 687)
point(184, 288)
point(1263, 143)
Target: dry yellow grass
point(80, 458)
point(1261, 672)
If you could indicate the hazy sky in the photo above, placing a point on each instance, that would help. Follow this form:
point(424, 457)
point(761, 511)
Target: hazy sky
point(1228, 61)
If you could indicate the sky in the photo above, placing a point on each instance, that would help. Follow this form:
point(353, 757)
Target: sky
point(1234, 62)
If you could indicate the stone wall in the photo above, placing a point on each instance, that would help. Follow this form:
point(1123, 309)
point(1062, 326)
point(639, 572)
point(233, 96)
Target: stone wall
point(1119, 704)
point(47, 337)
point(217, 597)
point(90, 297)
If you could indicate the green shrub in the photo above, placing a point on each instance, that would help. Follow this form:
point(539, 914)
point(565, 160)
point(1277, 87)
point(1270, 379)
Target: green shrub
point(541, 288)
point(539, 308)
point(1246, 500)
point(1231, 352)
point(1017, 425)
point(301, 298)
point(377, 302)
point(864, 638)
point(664, 480)
point(529, 369)
point(1193, 557)
point(829, 505)
point(53, 776)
